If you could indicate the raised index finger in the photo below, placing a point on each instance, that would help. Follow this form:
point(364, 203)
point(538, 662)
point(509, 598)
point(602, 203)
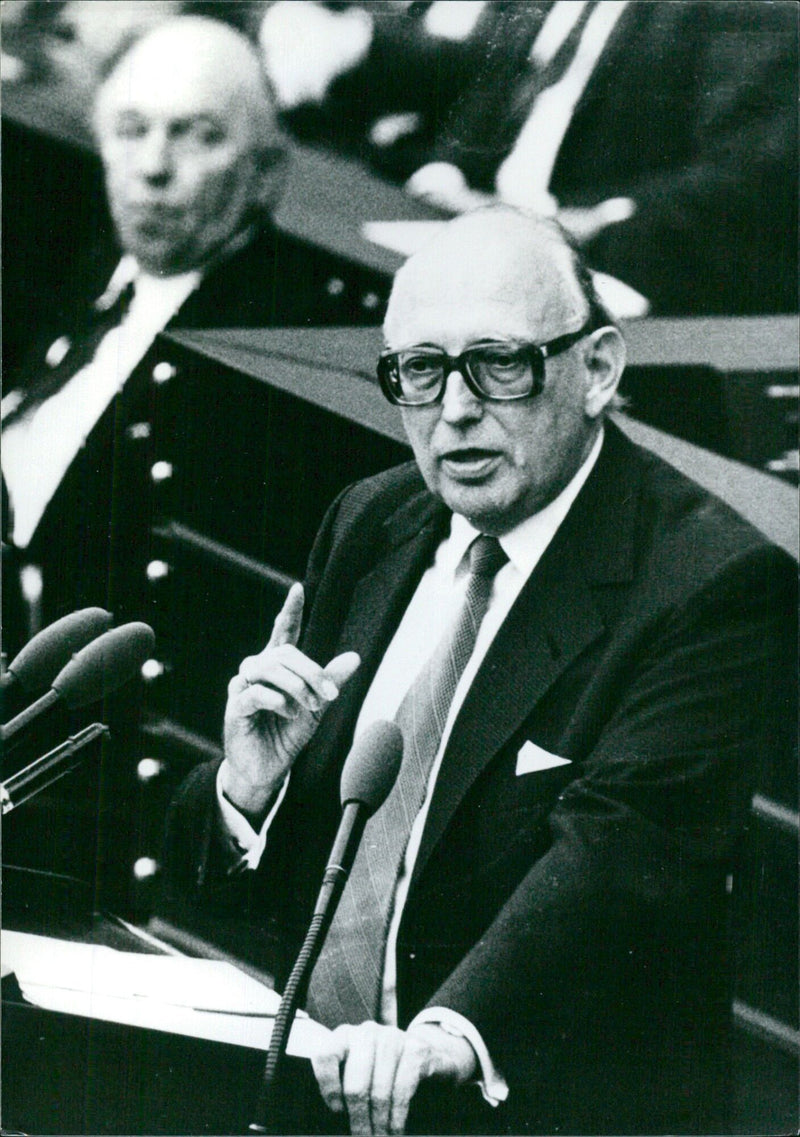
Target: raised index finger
point(286, 629)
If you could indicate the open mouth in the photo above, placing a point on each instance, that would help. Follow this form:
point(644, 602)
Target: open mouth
point(470, 462)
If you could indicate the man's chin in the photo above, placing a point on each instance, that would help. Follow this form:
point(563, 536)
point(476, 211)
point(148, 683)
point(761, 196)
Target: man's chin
point(482, 509)
point(161, 258)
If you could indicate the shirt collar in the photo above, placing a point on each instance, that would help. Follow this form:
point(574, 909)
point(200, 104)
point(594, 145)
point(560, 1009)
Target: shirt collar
point(128, 272)
point(124, 274)
point(525, 544)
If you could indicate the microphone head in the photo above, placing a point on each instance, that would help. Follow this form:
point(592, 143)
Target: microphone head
point(372, 766)
point(45, 655)
point(105, 664)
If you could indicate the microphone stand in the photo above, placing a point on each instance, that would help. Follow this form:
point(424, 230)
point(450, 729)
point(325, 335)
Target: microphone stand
point(354, 818)
point(28, 782)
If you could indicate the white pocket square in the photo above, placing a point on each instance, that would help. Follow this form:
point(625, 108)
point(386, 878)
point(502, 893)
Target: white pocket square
point(532, 758)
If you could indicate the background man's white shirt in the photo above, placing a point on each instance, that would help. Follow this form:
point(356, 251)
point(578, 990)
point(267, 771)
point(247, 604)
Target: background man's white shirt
point(39, 448)
point(523, 179)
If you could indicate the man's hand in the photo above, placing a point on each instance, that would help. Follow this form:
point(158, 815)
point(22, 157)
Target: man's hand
point(274, 706)
point(373, 1071)
point(585, 223)
point(443, 185)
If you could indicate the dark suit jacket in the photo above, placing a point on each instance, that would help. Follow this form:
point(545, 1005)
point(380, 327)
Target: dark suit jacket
point(409, 70)
point(93, 538)
point(575, 915)
point(691, 112)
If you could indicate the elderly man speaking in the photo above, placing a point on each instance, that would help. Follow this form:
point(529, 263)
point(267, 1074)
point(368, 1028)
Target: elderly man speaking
point(586, 653)
point(194, 164)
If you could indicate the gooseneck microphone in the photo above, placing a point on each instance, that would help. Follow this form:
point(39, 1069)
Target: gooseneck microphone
point(43, 657)
point(369, 772)
point(368, 775)
point(92, 673)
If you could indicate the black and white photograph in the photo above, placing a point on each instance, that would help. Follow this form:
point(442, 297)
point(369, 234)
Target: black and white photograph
point(400, 539)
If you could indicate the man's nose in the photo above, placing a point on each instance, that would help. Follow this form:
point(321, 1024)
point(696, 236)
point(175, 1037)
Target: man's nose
point(459, 403)
point(154, 158)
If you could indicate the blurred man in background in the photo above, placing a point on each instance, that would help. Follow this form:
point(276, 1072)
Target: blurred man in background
point(193, 162)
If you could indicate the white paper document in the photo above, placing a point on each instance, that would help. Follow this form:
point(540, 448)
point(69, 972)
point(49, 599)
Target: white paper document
point(202, 998)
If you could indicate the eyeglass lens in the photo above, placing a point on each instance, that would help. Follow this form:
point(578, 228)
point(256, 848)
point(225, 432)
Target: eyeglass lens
point(499, 370)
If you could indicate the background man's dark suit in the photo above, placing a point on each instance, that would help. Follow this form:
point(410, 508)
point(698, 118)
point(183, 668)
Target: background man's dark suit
point(410, 70)
point(92, 540)
point(690, 111)
point(575, 915)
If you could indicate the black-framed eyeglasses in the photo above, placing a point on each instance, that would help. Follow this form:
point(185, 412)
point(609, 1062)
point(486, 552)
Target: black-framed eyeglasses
point(498, 371)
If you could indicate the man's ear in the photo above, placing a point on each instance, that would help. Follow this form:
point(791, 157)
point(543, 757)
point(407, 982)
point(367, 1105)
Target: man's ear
point(605, 361)
point(273, 169)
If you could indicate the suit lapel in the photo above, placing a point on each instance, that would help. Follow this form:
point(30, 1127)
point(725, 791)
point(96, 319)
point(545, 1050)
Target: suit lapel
point(93, 464)
point(226, 297)
point(550, 624)
point(378, 600)
point(604, 81)
point(554, 619)
point(623, 63)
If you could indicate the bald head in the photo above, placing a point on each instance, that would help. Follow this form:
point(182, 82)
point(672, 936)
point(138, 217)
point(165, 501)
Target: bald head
point(509, 418)
point(189, 141)
point(190, 60)
point(497, 254)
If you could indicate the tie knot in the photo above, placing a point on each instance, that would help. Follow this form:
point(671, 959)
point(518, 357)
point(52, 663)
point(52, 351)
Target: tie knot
point(486, 556)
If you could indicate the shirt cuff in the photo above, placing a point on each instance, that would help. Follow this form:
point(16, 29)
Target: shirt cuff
point(492, 1084)
point(248, 843)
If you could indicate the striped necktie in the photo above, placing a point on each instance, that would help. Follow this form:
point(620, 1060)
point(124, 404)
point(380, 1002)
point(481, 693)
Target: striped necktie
point(346, 983)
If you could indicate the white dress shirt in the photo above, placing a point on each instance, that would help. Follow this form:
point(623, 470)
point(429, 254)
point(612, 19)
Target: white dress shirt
point(523, 179)
point(39, 448)
point(432, 609)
